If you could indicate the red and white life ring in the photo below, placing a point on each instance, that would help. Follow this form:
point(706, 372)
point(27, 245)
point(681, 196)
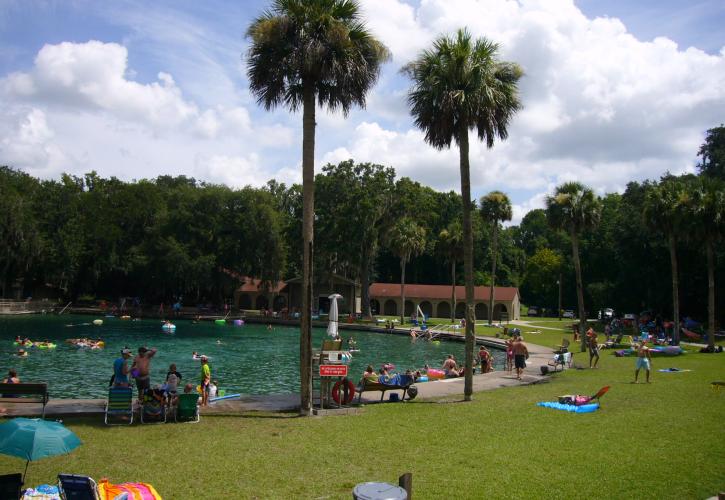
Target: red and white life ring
point(338, 392)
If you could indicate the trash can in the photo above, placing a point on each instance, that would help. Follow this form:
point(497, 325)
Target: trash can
point(378, 491)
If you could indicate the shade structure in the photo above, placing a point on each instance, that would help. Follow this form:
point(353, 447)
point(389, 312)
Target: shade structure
point(333, 318)
point(33, 439)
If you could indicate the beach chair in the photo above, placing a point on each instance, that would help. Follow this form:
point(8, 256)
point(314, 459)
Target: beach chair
point(187, 408)
point(119, 406)
point(153, 408)
point(75, 487)
point(11, 485)
point(564, 347)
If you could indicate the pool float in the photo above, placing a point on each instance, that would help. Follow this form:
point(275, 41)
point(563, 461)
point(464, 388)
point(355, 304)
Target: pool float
point(570, 408)
point(220, 321)
point(29, 343)
point(97, 322)
point(198, 357)
point(340, 395)
point(422, 378)
point(49, 345)
point(436, 342)
point(435, 374)
point(238, 322)
point(168, 327)
point(125, 317)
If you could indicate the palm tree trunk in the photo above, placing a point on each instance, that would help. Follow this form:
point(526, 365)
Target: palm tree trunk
point(453, 291)
point(402, 291)
point(365, 283)
point(675, 288)
point(579, 288)
point(710, 293)
point(467, 258)
point(308, 211)
point(494, 237)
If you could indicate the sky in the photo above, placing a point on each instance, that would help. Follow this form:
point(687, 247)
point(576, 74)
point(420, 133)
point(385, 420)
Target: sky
point(613, 91)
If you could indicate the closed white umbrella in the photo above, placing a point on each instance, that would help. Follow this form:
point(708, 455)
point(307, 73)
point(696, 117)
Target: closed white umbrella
point(332, 325)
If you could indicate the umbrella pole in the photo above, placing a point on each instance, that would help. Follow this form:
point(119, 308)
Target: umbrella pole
point(26, 470)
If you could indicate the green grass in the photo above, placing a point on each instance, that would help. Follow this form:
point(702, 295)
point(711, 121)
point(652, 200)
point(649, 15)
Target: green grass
point(659, 440)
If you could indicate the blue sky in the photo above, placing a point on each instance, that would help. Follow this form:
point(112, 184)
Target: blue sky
point(614, 91)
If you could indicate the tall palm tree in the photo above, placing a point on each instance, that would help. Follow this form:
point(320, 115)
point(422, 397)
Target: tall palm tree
point(450, 241)
point(707, 208)
point(406, 239)
point(664, 212)
point(459, 84)
point(303, 53)
point(495, 208)
point(574, 208)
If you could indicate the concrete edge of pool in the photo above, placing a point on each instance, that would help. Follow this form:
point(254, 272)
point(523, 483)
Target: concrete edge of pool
point(539, 356)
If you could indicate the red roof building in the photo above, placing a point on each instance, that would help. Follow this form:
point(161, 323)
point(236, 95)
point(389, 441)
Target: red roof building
point(435, 300)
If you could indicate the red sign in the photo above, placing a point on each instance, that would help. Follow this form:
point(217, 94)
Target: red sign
point(333, 370)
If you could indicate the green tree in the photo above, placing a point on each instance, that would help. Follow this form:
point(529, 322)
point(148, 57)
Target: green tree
point(664, 212)
point(542, 272)
point(707, 208)
point(574, 208)
point(406, 239)
point(495, 209)
point(712, 153)
point(303, 53)
point(459, 84)
point(450, 245)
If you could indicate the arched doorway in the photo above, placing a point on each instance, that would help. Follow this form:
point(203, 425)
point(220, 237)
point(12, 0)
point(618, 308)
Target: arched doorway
point(261, 302)
point(390, 308)
point(444, 310)
point(481, 311)
point(409, 308)
point(460, 310)
point(279, 303)
point(497, 310)
point(427, 308)
point(245, 301)
point(374, 306)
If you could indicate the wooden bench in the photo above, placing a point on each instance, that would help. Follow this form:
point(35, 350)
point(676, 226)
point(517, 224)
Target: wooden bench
point(369, 386)
point(39, 389)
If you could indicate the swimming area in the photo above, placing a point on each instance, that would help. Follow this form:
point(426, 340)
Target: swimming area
point(249, 359)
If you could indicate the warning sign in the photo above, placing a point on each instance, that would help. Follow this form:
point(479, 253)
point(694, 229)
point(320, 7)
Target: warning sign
point(333, 370)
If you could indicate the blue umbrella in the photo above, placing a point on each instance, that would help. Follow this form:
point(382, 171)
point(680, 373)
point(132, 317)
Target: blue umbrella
point(33, 439)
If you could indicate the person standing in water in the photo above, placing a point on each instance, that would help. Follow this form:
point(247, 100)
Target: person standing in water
point(205, 380)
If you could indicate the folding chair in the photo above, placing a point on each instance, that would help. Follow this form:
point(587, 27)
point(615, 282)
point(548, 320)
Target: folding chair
point(75, 487)
point(119, 405)
point(187, 408)
point(153, 407)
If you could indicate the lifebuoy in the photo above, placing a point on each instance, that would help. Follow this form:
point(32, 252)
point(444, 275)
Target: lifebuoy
point(345, 388)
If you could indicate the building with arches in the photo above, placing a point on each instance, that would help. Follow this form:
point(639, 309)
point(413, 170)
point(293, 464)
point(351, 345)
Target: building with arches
point(435, 301)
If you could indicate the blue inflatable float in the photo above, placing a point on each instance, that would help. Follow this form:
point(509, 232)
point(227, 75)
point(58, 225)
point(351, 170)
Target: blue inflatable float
point(572, 408)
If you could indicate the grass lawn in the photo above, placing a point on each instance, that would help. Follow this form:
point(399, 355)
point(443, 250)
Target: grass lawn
point(659, 440)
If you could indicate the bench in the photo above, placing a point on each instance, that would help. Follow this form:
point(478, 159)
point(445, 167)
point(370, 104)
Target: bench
point(39, 389)
point(368, 385)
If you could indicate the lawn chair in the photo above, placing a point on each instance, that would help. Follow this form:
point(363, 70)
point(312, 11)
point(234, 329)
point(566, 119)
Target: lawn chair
point(187, 408)
point(564, 347)
point(119, 405)
point(153, 407)
point(75, 487)
point(11, 485)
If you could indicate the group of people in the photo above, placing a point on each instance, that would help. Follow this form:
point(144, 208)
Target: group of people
point(140, 371)
point(516, 355)
point(86, 342)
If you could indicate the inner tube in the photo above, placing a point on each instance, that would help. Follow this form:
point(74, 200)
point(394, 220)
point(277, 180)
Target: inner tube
point(98, 322)
point(47, 346)
point(238, 322)
point(125, 317)
point(220, 321)
point(435, 374)
point(168, 327)
point(339, 389)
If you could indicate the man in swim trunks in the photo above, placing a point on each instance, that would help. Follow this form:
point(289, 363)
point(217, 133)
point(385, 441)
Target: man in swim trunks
point(593, 348)
point(450, 366)
point(521, 353)
point(120, 369)
point(142, 363)
point(644, 360)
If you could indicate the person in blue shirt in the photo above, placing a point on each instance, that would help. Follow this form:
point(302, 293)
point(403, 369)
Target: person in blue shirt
point(120, 369)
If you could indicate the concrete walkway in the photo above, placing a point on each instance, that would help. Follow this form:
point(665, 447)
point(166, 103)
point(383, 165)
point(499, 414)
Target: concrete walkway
point(439, 389)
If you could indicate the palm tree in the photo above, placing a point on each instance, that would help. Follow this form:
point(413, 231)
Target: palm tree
point(707, 208)
point(495, 208)
point(405, 239)
point(664, 212)
point(459, 84)
point(449, 241)
point(574, 208)
point(303, 53)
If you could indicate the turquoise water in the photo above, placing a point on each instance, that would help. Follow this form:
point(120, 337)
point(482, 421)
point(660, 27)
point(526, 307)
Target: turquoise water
point(249, 360)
